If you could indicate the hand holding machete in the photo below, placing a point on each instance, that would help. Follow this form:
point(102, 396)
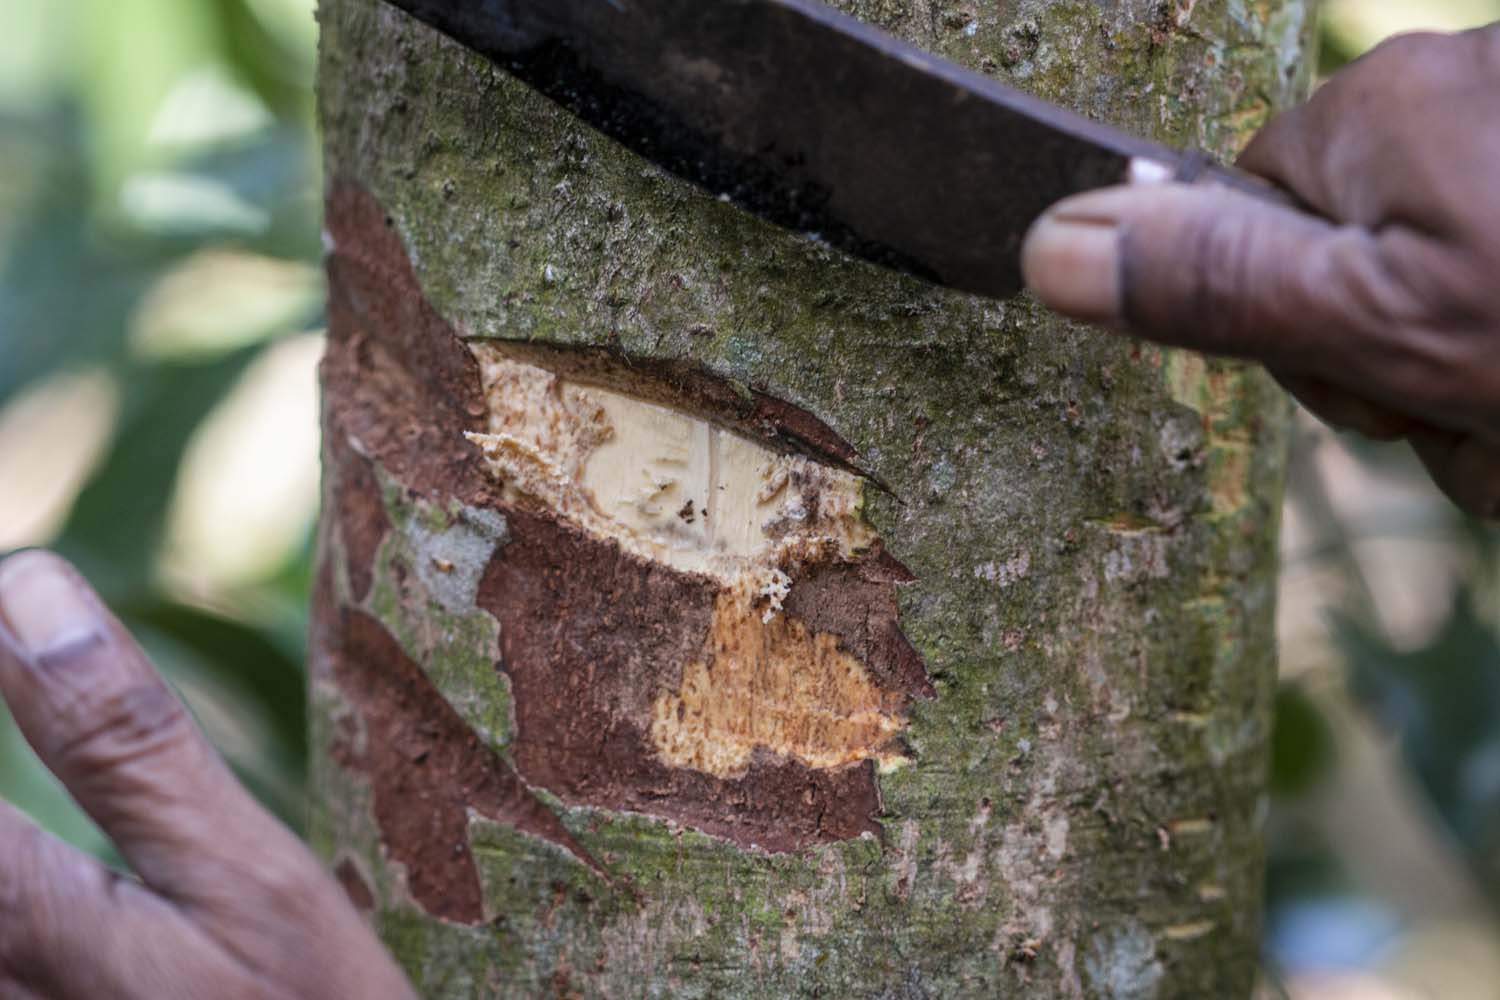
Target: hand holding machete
point(1384, 315)
point(1381, 316)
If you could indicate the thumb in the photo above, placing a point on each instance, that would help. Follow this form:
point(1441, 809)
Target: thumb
point(1205, 267)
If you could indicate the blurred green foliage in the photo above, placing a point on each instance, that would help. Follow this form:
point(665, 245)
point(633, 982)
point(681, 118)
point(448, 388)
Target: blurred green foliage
point(110, 189)
point(1434, 701)
point(1303, 745)
point(1442, 701)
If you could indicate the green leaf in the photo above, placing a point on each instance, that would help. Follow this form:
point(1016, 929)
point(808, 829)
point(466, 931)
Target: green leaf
point(278, 67)
point(30, 787)
point(1443, 702)
point(241, 657)
point(117, 522)
point(1302, 746)
point(246, 691)
point(67, 292)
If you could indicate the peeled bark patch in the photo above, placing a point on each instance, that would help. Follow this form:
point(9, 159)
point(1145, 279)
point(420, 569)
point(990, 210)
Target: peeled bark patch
point(643, 621)
point(663, 483)
point(396, 376)
point(696, 620)
point(773, 684)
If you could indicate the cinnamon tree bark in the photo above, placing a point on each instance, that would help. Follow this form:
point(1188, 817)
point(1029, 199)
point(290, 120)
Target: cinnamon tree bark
point(703, 613)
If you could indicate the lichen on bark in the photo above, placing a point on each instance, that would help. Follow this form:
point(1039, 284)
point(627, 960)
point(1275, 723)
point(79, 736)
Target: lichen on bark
point(1090, 526)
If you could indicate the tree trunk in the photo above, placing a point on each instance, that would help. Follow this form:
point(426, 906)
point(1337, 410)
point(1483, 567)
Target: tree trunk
point(701, 613)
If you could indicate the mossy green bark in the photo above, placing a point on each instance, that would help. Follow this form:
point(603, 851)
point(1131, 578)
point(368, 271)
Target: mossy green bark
point(1092, 523)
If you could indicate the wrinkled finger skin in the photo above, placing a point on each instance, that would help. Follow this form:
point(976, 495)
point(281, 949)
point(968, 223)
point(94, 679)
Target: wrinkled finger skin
point(1403, 147)
point(223, 902)
point(1381, 312)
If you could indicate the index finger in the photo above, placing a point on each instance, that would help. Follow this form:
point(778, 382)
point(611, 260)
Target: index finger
point(103, 720)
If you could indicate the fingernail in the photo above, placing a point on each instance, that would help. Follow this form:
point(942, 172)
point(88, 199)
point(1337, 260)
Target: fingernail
point(43, 608)
point(1073, 265)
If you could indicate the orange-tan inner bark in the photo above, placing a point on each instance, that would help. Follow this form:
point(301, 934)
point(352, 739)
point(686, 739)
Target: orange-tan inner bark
point(676, 489)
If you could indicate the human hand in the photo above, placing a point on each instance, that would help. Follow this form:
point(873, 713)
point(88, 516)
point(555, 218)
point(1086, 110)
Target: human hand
point(1384, 315)
point(229, 904)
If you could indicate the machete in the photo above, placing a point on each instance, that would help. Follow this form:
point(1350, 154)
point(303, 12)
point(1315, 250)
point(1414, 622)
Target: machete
point(820, 123)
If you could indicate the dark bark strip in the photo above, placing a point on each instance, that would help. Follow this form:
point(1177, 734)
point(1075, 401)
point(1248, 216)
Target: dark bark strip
point(590, 635)
point(856, 602)
point(396, 376)
point(427, 768)
point(360, 512)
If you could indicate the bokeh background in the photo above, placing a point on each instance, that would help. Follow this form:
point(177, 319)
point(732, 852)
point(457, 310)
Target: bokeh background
point(160, 308)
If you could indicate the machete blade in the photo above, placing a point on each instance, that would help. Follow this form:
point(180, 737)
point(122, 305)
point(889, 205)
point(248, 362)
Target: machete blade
point(816, 121)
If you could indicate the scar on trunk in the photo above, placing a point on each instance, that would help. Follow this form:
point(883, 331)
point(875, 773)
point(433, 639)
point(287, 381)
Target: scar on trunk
point(697, 621)
point(427, 769)
point(650, 592)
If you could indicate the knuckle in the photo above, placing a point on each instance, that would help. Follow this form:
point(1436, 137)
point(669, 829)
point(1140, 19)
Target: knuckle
point(291, 889)
point(1439, 283)
point(1379, 304)
point(21, 862)
point(1357, 279)
point(131, 724)
point(1424, 321)
point(1220, 295)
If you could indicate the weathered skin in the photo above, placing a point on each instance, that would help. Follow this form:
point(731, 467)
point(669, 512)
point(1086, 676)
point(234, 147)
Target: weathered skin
point(1089, 525)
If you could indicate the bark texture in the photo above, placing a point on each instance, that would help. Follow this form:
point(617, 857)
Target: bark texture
point(1030, 759)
